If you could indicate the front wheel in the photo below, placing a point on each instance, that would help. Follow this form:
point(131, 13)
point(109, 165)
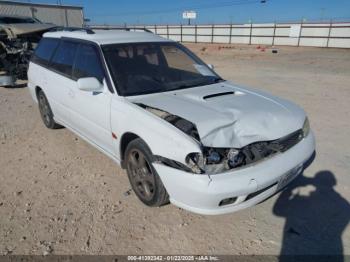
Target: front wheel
point(143, 178)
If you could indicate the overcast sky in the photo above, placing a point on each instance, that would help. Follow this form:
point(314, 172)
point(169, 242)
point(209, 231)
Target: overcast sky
point(210, 11)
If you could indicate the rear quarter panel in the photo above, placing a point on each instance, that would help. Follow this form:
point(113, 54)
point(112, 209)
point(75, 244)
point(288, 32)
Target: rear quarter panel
point(33, 79)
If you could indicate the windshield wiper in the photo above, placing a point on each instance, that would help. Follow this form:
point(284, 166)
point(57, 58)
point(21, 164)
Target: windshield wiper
point(189, 86)
point(218, 80)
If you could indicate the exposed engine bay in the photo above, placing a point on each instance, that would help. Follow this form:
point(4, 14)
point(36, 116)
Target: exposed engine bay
point(218, 160)
point(16, 52)
point(19, 37)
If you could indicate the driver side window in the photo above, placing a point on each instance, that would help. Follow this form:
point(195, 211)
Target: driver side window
point(87, 63)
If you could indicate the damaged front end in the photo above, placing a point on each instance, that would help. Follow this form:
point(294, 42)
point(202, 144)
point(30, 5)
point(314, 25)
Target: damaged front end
point(219, 160)
point(16, 48)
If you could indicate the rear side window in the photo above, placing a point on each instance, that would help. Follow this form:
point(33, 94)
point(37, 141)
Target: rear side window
point(87, 63)
point(45, 50)
point(63, 58)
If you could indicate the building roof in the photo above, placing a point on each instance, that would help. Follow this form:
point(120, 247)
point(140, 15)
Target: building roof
point(40, 4)
point(103, 37)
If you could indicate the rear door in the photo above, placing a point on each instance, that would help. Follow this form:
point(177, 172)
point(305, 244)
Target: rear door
point(39, 73)
point(60, 80)
point(91, 110)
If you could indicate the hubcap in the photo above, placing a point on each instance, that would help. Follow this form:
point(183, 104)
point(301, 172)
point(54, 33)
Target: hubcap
point(142, 178)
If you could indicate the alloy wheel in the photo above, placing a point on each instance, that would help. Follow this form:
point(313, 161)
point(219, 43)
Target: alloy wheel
point(44, 109)
point(142, 178)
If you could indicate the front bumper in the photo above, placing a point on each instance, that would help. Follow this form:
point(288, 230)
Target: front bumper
point(202, 193)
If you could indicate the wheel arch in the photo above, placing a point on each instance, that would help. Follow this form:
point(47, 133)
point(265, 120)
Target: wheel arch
point(37, 90)
point(124, 142)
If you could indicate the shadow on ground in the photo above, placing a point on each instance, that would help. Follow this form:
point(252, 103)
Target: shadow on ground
point(21, 85)
point(316, 216)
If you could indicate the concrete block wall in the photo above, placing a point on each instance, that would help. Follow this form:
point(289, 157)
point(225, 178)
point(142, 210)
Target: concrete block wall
point(311, 34)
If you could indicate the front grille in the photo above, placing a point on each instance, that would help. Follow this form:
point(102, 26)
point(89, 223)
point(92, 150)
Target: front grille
point(260, 150)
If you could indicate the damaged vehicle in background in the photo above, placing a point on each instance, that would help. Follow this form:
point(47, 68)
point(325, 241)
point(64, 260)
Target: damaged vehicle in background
point(183, 133)
point(18, 38)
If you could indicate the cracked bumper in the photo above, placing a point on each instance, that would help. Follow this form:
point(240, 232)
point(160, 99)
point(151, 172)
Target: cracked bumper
point(202, 194)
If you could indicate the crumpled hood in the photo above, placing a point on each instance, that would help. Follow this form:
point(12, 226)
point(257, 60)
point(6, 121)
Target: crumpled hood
point(27, 28)
point(232, 119)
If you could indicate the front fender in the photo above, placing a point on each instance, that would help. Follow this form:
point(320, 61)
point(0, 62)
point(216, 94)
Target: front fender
point(162, 138)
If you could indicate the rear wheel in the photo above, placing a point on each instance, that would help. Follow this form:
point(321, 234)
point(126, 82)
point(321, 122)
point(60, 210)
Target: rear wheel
point(143, 178)
point(46, 112)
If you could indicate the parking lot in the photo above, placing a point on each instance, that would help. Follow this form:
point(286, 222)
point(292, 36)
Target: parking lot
point(59, 195)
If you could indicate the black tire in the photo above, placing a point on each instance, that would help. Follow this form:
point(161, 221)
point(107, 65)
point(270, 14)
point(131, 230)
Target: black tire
point(46, 112)
point(143, 178)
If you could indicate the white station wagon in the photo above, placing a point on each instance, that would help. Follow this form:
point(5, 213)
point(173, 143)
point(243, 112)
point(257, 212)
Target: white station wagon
point(182, 133)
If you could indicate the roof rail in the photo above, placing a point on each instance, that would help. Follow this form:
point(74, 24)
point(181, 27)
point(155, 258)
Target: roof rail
point(121, 28)
point(72, 29)
point(90, 30)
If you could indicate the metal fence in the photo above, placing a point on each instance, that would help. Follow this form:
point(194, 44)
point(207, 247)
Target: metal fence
point(293, 34)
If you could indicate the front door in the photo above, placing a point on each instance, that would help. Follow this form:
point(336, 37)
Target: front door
point(91, 110)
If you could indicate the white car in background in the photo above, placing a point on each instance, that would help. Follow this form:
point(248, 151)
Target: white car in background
point(183, 134)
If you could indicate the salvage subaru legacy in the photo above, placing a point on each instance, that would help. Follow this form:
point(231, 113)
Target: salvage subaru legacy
point(182, 133)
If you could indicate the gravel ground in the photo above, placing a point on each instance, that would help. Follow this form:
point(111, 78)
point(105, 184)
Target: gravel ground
point(58, 195)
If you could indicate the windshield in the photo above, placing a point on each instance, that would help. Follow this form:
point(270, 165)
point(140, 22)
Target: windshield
point(145, 68)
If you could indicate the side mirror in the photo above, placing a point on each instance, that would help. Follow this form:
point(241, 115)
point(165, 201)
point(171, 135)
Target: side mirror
point(211, 66)
point(90, 84)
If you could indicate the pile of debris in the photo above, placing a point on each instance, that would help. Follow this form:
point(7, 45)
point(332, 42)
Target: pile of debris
point(18, 38)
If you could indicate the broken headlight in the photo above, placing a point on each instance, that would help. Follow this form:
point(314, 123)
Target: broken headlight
point(195, 162)
point(306, 127)
point(214, 160)
point(234, 157)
